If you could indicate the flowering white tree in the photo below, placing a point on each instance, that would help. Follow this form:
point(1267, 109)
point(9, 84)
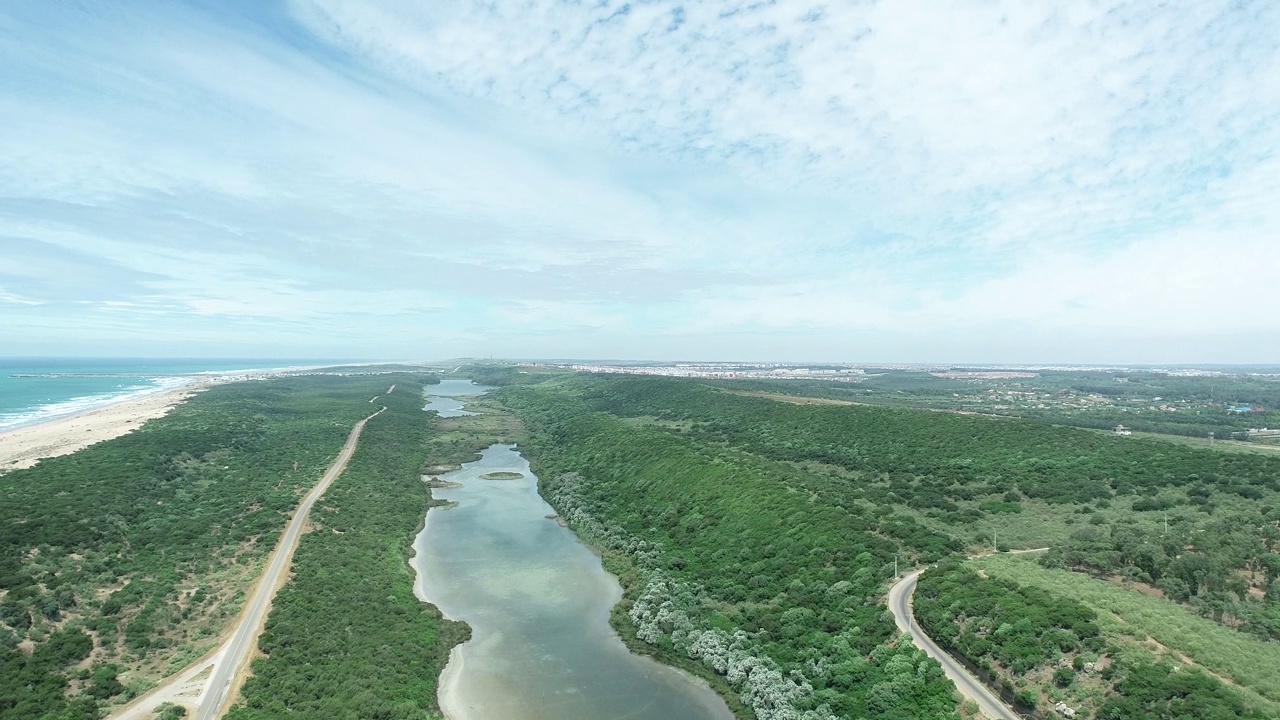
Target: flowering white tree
point(667, 610)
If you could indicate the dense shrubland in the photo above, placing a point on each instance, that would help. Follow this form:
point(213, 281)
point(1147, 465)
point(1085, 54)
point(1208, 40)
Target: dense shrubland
point(134, 551)
point(1140, 400)
point(1160, 690)
point(1150, 628)
point(736, 564)
point(993, 621)
point(936, 454)
point(1041, 648)
point(346, 636)
point(1008, 632)
point(1226, 566)
point(760, 532)
point(1221, 552)
point(754, 538)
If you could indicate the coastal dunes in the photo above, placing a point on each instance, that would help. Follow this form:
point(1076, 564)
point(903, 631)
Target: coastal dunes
point(25, 446)
point(134, 556)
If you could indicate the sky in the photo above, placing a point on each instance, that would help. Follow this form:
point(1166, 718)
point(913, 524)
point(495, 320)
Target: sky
point(942, 181)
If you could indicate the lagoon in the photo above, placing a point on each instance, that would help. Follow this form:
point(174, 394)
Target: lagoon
point(445, 397)
point(538, 603)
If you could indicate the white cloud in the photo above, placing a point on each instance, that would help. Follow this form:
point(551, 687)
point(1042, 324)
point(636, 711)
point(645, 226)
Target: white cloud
point(11, 298)
point(477, 170)
point(1194, 282)
point(982, 92)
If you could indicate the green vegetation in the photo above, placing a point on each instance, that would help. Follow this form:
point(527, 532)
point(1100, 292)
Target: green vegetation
point(731, 519)
point(731, 559)
point(1047, 642)
point(32, 685)
point(346, 636)
point(1154, 691)
point(169, 711)
point(1223, 564)
point(928, 452)
point(753, 538)
point(1149, 401)
point(1021, 639)
point(1105, 499)
point(502, 475)
point(1131, 618)
point(504, 375)
point(1021, 628)
point(134, 550)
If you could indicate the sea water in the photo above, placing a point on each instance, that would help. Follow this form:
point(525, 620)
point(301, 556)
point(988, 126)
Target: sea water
point(33, 390)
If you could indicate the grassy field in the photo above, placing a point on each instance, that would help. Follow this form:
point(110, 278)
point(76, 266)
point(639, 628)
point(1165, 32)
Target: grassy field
point(1248, 662)
point(1219, 445)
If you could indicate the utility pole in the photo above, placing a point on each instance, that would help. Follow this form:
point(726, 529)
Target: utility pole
point(995, 548)
point(895, 566)
point(1166, 522)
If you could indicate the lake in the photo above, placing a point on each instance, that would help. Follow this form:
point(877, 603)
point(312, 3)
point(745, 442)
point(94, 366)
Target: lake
point(538, 603)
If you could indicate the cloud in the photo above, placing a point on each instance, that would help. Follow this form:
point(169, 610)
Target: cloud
point(470, 173)
point(8, 297)
point(984, 93)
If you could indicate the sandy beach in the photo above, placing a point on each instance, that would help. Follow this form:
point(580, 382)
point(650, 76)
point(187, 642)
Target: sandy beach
point(25, 446)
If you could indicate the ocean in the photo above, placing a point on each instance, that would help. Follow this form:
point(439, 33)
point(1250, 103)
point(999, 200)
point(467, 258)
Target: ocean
point(33, 390)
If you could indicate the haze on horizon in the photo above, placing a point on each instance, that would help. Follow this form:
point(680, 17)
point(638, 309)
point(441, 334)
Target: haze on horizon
point(1096, 182)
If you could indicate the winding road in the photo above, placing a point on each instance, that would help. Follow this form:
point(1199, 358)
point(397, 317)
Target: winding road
point(968, 685)
point(208, 685)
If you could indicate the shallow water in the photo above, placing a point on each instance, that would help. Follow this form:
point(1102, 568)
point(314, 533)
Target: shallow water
point(446, 397)
point(538, 603)
point(33, 390)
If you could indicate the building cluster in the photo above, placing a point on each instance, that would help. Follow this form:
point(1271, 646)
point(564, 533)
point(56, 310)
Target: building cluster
point(984, 374)
point(730, 371)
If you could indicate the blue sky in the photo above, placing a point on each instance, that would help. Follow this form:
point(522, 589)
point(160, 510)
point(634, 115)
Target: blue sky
point(897, 181)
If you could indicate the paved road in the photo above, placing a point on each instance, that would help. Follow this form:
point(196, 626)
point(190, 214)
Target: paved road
point(209, 696)
point(968, 685)
point(241, 646)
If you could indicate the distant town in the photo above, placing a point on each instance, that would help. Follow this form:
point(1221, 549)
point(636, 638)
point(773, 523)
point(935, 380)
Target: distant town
point(857, 372)
point(1214, 402)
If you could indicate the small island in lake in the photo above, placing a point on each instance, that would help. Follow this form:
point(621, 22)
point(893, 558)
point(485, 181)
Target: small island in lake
point(502, 475)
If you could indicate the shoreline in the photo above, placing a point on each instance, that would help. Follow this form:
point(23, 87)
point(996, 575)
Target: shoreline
point(453, 707)
point(22, 446)
point(89, 403)
point(447, 686)
point(451, 674)
point(25, 445)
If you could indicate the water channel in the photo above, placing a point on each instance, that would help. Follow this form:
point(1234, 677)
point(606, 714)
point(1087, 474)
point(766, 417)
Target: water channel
point(538, 603)
point(446, 396)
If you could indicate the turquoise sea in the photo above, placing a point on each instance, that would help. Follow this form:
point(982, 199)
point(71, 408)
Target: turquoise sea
point(36, 389)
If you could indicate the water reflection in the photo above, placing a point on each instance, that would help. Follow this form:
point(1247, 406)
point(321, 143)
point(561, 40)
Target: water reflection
point(446, 397)
point(538, 603)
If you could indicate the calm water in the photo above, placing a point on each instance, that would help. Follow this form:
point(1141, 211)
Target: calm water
point(538, 603)
point(37, 389)
point(446, 398)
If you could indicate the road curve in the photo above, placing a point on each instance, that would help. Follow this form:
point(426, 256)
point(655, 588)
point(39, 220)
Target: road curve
point(213, 694)
point(968, 685)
